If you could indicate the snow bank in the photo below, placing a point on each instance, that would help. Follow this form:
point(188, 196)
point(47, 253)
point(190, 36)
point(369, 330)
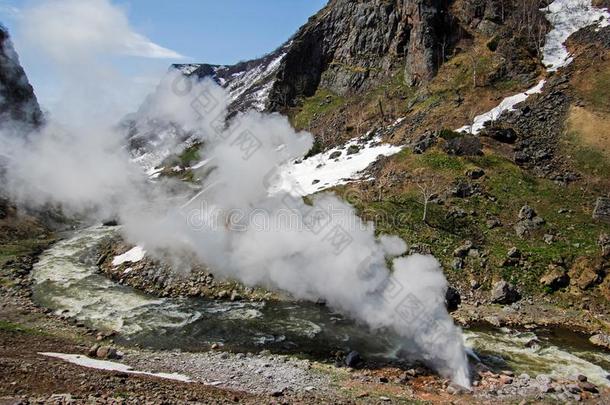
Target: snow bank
point(84, 361)
point(133, 256)
point(567, 17)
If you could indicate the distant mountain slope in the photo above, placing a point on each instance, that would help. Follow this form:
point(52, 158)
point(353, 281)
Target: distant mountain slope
point(17, 99)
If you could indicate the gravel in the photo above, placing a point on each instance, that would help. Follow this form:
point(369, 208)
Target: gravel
point(261, 373)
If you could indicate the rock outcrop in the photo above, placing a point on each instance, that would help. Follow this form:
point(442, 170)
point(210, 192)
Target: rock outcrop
point(347, 47)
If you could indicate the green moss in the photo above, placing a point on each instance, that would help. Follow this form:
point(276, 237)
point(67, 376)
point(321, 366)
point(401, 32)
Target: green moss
point(323, 102)
point(190, 155)
point(438, 160)
point(12, 327)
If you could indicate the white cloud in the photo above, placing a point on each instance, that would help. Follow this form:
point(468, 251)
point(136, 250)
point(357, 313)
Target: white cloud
point(65, 28)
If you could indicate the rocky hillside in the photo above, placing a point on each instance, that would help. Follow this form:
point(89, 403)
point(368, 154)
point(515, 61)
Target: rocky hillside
point(17, 99)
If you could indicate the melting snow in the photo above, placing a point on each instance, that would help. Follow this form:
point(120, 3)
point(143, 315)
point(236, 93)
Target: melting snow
point(299, 178)
point(508, 104)
point(84, 361)
point(567, 17)
point(133, 256)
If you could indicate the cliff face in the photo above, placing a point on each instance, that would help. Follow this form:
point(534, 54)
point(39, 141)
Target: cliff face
point(348, 47)
point(17, 99)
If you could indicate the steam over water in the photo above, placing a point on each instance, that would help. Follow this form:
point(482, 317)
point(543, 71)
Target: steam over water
point(66, 281)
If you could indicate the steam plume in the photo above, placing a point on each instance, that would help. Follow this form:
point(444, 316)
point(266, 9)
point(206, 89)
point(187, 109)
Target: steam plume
point(315, 250)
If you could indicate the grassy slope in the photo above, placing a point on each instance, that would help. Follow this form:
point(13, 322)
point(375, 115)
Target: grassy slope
point(449, 101)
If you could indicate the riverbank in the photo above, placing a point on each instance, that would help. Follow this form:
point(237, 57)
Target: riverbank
point(476, 306)
point(220, 377)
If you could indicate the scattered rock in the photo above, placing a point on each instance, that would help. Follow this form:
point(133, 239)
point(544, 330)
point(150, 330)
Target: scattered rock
point(463, 250)
point(335, 155)
point(528, 221)
point(604, 243)
point(93, 350)
point(586, 272)
point(504, 135)
point(353, 149)
point(464, 189)
point(587, 386)
point(475, 173)
point(493, 223)
point(506, 380)
point(235, 296)
point(513, 253)
point(424, 142)
point(504, 293)
point(549, 239)
point(456, 389)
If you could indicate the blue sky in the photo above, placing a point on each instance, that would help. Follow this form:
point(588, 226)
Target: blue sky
point(216, 31)
point(206, 31)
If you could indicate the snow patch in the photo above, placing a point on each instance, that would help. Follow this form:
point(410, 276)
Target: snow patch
point(320, 172)
point(133, 256)
point(84, 361)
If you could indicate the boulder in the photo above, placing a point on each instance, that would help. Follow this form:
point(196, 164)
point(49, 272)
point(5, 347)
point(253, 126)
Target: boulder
point(555, 278)
point(467, 145)
point(452, 299)
point(504, 135)
point(586, 272)
point(353, 359)
point(601, 212)
point(601, 340)
point(504, 293)
point(527, 212)
point(107, 352)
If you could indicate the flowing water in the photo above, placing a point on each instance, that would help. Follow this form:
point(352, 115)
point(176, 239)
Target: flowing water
point(67, 282)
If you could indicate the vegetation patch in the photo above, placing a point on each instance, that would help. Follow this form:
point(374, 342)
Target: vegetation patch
point(323, 102)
